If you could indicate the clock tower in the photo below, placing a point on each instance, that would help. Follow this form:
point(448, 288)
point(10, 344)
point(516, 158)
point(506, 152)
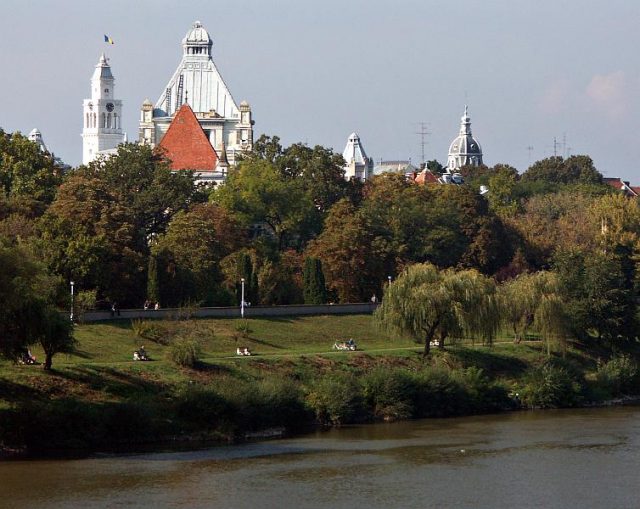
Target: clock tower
point(102, 118)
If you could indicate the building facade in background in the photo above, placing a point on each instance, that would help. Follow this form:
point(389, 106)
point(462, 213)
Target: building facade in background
point(198, 83)
point(102, 115)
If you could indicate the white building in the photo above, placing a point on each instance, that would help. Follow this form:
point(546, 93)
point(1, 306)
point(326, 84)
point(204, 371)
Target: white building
point(358, 165)
point(197, 82)
point(102, 115)
point(36, 136)
point(464, 149)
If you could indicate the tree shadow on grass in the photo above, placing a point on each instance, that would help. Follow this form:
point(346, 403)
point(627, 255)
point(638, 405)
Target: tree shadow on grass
point(111, 381)
point(492, 363)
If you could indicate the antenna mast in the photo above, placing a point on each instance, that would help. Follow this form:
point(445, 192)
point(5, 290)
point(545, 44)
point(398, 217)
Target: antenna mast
point(423, 132)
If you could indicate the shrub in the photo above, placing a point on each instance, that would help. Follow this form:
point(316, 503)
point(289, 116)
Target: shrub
point(336, 399)
point(197, 406)
point(618, 376)
point(551, 386)
point(146, 329)
point(438, 394)
point(390, 393)
point(482, 395)
point(185, 352)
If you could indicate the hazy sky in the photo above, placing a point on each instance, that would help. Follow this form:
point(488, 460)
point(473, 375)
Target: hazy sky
point(314, 71)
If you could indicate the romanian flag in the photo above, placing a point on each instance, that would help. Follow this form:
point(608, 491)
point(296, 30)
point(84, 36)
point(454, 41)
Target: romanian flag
point(108, 39)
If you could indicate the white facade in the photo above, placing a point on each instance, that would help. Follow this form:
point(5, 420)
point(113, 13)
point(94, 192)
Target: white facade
point(358, 165)
point(198, 82)
point(464, 149)
point(102, 115)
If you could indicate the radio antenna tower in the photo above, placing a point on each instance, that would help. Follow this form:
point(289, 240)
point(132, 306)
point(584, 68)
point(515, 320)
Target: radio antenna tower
point(529, 150)
point(423, 132)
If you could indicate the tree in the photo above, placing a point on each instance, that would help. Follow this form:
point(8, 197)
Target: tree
point(351, 269)
point(524, 301)
point(189, 256)
point(578, 169)
point(54, 332)
point(427, 303)
point(599, 291)
point(25, 170)
point(315, 291)
point(25, 293)
point(258, 194)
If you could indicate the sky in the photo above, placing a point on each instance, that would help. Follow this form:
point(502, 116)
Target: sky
point(315, 71)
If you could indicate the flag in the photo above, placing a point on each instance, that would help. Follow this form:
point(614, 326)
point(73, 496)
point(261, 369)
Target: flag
point(108, 39)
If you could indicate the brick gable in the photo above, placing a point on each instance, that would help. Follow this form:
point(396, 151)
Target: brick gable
point(187, 145)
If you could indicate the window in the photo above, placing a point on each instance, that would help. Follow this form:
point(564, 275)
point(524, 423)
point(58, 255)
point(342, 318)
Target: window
point(103, 123)
point(115, 120)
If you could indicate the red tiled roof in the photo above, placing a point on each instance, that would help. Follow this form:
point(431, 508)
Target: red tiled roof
point(426, 177)
point(186, 144)
point(622, 185)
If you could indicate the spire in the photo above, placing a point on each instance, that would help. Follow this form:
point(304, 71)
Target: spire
point(465, 122)
point(223, 154)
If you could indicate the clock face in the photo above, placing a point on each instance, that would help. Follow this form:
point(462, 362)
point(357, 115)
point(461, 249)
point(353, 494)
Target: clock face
point(109, 106)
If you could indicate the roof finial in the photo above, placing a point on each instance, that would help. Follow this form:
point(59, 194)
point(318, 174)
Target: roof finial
point(466, 114)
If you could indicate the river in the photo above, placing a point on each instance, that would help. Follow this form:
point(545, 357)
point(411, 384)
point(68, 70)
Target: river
point(586, 458)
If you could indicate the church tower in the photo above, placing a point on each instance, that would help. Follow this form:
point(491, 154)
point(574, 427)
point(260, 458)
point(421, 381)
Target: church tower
point(102, 115)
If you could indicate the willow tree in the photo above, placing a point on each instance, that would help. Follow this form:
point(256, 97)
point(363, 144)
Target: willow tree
point(428, 304)
point(534, 301)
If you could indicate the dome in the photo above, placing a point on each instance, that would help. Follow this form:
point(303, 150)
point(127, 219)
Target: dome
point(464, 149)
point(197, 34)
point(465, 145)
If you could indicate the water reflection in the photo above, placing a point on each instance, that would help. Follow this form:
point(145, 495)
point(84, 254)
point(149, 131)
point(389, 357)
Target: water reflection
point(580, 458)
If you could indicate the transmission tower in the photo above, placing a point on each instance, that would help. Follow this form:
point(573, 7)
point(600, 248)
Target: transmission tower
point(423, 132)
point(530, 150)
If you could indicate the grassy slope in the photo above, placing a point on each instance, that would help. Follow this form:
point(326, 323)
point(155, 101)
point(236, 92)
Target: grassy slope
point(102, 369)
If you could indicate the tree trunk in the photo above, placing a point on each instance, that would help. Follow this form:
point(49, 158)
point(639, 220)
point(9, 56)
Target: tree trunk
point(429, 334)
point(48, 361)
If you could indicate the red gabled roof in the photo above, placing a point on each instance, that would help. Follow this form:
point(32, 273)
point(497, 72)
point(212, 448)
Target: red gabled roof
point(186, 144)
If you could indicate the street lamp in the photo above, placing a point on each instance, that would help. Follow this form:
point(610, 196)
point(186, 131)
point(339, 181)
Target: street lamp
point(389, 278)
point(72, 298)
point(242, 299)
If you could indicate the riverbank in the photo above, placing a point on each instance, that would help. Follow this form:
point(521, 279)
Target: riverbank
point(99, 399)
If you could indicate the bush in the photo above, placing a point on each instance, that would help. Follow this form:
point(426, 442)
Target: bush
point(618, 376)
point(438, 394)
point(390, 393)
point(197, 407)
point(336, 399)
point(551, 386)
point(482, 395)
point(146, 329)
point(185, 352)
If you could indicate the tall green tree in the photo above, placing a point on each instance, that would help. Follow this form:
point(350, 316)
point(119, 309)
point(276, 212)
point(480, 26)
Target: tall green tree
point(315, 290)
point(427, 303)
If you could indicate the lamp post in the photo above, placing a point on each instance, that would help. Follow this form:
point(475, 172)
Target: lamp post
point(72, 299)
point(389, 278)
point(242, 298)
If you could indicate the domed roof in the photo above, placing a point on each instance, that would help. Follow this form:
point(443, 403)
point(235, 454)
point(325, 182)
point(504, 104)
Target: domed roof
point(464, 149)
point(465, 144)
point(197, 34)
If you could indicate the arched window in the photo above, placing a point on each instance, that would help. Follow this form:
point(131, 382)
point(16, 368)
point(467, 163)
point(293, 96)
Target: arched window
point(104, 121)
point(108, 120)
point(94, 123)
point(86, 120)
point(115, 120)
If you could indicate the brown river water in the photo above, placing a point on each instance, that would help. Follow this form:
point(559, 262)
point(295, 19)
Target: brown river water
point(586, 458)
